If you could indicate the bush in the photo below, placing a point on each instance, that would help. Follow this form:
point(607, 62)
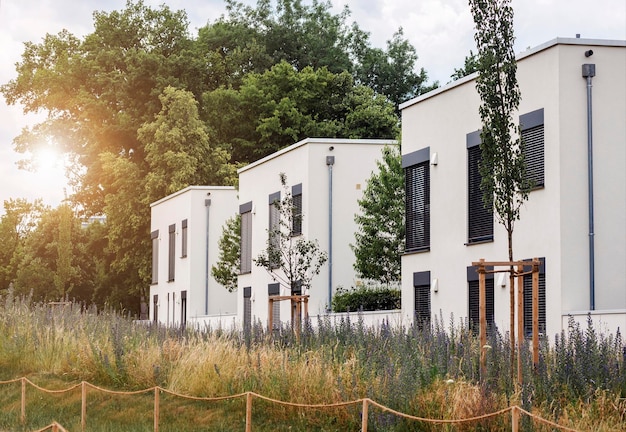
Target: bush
point(366, 298)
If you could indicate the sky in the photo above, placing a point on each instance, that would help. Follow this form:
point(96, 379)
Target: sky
point(440, 30)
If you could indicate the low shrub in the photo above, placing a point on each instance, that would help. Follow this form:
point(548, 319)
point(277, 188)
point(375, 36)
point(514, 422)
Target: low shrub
point(366, 298)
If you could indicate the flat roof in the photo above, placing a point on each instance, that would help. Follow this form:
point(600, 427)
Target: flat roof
point(191, 188)
point(315, 141)
point(527, 53)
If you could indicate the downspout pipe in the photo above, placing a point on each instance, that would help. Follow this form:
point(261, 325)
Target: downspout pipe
point(330, 161)
point(207, 204)
point(589, 71)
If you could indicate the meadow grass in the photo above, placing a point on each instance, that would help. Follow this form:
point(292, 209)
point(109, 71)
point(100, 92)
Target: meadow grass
point(432, 373)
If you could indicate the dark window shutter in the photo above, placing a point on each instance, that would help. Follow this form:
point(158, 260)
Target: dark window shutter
point(473, 299)
point(528, 300)
point(154, 236)
point(246, 242)
point(417, 185)
point(421, 284)
point(247, 308)
point(480, 218)
point(172, 253)
point(273, 289)
point(534, 155)
point(296, 229)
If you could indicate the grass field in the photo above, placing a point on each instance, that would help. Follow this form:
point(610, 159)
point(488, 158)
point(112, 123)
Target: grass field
point(432, 373)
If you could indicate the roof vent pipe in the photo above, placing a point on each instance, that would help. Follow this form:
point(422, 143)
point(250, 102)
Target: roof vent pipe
point(589, 71)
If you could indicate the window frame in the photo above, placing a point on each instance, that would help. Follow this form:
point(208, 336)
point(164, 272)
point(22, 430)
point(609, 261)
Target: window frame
point(422, 300)
point(532, 132)
point(184, 239)
point(154, 237)
point(273, 229)
point(480, 223)
point(528, 284)
point(417, 200)
point(296, 197)
point(473, 299)
point(245, 234)
point(171, 253)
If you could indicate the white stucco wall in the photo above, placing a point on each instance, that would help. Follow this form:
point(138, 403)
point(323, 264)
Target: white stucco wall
point(554, 221)
point(305, 163)
point(191, 271)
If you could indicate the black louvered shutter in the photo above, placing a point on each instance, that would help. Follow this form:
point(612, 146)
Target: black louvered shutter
point(480, 218)
point(474, 307)
point(417, 179)
point(528, 300)
point(533, 153)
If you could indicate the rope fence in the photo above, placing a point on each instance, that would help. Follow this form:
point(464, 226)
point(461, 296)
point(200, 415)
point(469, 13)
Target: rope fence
point(365, 403)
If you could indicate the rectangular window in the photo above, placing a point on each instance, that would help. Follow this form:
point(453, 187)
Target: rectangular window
point(171, 253)
point(528, 299)
point(296, 195)
point(183, 308)
point(421, 285)
point(274, 230)
point(473, 299)
point(532, 126)
point(154, 236)
point(273, 289)
point(247, 309)
point(155, 308)
point(417, 189)
point(479, 218)
point(245, 211)
point(183, 242)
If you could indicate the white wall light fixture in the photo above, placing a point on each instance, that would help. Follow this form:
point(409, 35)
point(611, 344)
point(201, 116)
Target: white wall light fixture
point(434, 159)
point(502, 280)
point(435, 285)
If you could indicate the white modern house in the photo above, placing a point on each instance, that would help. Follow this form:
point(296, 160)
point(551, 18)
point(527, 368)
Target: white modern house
point(325, 177)
point(573, 106)
point(185, 230)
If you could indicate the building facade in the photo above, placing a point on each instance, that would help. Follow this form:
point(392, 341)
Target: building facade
point(185, 230)
point(326, 177)
point(448, 228)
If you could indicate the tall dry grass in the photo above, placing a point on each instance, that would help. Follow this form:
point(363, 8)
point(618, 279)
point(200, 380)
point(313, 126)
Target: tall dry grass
point(423, 372)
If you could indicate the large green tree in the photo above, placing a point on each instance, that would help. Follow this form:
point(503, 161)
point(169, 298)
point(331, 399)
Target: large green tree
point(282, 105)
point(142, 108)
point(379, 239)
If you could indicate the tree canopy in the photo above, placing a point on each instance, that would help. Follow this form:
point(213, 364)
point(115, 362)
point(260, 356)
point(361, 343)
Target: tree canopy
point(143, 108)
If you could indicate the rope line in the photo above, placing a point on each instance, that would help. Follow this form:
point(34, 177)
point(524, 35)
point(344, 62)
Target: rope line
point(51, 391)
point(442, 421)
point(284, 403)
point(198, 398)
point(547, 422)
point(299, 405)
point(136, 392)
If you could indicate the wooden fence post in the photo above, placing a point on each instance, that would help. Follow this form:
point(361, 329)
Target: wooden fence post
point(514, 419)
point(23, 400)
point(364, 416)
point(156, 409)
point(482, 317)
point(535, 312)
point(270, 316)
point(249, 412)
point(520, 322)
point(83, 407)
